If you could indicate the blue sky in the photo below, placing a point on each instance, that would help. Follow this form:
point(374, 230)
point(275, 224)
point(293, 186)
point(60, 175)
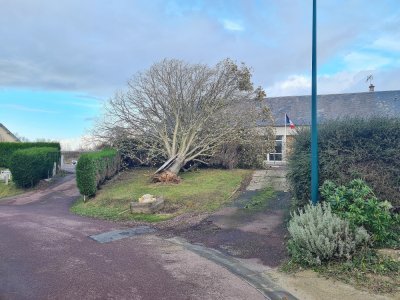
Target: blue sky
point(60, 60)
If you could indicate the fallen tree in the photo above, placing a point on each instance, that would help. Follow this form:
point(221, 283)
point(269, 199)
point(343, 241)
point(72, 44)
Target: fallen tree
point(186, 112)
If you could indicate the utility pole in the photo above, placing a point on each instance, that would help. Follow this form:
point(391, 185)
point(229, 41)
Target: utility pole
point(314, 132)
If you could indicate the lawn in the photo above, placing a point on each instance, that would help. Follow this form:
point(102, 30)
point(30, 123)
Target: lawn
point(9, 190)
point(199, 191)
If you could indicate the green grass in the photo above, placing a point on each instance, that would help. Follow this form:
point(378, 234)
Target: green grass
point(261, 199)
point(367, 271)
point(199, 191)
point(9, 190)
point(12, 190)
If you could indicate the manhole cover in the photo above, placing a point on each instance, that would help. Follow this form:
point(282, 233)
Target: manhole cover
point(115, 235)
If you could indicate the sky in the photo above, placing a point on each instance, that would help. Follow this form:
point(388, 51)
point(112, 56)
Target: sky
point(61, 60)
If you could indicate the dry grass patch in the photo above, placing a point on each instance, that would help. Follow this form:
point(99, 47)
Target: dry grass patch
point(9, 190)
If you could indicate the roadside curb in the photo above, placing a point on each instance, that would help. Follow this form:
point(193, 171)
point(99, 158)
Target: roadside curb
point(259, 281)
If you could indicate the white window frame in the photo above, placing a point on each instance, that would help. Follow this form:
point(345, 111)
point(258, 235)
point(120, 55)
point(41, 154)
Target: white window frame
point(278, 138)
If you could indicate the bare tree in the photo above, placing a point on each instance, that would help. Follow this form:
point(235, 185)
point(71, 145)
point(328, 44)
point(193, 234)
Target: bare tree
point(185, 112)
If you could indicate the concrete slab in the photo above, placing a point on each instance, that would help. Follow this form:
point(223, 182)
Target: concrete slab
point(115, 235)
point(275, 178)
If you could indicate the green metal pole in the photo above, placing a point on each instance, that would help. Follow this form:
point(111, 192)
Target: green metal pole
point(314, 132)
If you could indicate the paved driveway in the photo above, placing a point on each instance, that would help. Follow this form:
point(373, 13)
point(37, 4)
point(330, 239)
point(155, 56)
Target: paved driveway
point(45, 253)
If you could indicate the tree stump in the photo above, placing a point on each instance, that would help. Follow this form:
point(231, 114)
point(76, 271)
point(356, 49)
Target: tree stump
point(166, 177)
point(147, 207)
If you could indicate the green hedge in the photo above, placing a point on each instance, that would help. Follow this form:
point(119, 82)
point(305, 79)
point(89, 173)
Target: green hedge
point(350, 149)
point(94, 168)
point(29, 166)
point(8, 148)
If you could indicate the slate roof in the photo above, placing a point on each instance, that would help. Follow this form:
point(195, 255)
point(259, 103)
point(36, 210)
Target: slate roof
point(335, 106)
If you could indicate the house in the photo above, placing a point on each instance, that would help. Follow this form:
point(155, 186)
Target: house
point(6, 135)
point(332, 106)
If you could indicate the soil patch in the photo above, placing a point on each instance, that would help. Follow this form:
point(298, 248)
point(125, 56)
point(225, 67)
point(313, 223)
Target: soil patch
point(243, 233)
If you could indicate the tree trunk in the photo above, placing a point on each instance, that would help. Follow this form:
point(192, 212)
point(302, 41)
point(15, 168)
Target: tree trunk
point(176, 165)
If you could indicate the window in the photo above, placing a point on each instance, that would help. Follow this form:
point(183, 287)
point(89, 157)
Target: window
point(277, 155)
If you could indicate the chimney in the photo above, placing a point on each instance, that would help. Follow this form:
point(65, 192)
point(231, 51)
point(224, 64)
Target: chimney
point(371, 88)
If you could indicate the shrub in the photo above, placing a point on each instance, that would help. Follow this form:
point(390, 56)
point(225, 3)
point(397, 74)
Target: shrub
point(318, 235)
point(350, 149)
point(357, 203)
point(94, 168)
point(242, 155)
point(29, 166)
point(8, 148)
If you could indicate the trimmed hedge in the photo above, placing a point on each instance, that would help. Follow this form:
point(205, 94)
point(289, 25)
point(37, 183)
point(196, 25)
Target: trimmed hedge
point(350, 149)
point(8, 148)
point(94, 168)
point(29, 166)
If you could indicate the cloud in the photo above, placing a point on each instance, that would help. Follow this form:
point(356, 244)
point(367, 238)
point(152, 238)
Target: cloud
point(358, 61)
point(232, 25)
point(26, 108)
point(85, 142)
point(94, 105)
point(69, 46)
point(182, 7)
point(89, 97)
point(293, 85)
point(341, 82)
point(387, 43)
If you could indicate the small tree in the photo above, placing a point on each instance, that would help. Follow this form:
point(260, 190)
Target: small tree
point(186, 112)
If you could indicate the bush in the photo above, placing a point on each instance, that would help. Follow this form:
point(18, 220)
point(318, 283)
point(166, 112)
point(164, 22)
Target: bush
point(94, 168)
point(350, 149)
point(8, 148)
point(29, 166)
point(318, 235)
point(357, 203)
point(248, 155)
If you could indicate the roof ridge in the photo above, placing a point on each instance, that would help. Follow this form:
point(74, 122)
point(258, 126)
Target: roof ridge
point(332, 106)
point(356, 93)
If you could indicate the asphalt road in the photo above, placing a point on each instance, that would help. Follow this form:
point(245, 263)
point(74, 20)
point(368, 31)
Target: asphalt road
point(45, 253)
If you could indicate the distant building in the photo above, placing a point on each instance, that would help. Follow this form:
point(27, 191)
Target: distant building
point(333, 106)
point(6, 135)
